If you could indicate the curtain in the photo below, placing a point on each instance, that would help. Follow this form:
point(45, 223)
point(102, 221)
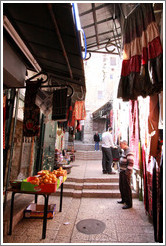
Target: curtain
point(142, 66)
point(134, 131)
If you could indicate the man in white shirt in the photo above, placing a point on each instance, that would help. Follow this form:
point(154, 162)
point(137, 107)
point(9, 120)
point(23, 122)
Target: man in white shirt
point(107, 159)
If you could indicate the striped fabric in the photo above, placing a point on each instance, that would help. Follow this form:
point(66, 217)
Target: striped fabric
point(126, 160)
point(142, 66)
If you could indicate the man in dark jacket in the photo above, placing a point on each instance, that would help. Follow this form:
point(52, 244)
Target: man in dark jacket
point(97, 140)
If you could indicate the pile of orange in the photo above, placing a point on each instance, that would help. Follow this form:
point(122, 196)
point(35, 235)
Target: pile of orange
point(44, 177)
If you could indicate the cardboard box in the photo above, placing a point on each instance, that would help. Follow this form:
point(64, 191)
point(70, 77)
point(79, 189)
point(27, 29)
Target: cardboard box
point(37, 211)
point(27, 186)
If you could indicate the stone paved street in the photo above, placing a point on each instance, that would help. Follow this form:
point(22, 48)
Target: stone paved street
point(122, 226)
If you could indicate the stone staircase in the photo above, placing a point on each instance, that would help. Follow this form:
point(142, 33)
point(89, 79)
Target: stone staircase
point(88, 155)
point(93, 188)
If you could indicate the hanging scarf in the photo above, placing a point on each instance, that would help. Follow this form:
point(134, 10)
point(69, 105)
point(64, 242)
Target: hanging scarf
point(134, 131)
point(31, 124)
point(153, 121)
point(79, 112)
point(142, 72)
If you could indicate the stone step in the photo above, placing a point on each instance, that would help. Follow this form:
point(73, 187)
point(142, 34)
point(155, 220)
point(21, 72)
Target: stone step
point(107, 179)
point(88, 155)
point(91, 193)
point(81, 186)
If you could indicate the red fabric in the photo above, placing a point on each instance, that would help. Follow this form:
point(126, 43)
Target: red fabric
point(153, 121)
point(79, 112)
point(153, 50)
point(142, 55)
point(111, 118)
point(134, 131)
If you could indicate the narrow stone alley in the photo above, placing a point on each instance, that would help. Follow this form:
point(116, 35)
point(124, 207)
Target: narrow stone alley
point(119, 226)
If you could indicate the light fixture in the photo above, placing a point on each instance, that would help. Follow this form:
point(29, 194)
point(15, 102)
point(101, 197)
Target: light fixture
point(10, 29)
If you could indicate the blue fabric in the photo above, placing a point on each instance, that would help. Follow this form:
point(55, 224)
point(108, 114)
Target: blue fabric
point(96, 145)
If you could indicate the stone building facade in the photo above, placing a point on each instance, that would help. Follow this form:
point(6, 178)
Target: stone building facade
point(102, 76)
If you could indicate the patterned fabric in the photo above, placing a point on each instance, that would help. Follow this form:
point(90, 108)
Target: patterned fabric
point(31, 124)
point(79, 112)
point(142, 66)
point(153, 121)
point(59, 110)
point(145, 179)
point(4, 119)
point(44, 101)
point(134, 131)
point(126, 159)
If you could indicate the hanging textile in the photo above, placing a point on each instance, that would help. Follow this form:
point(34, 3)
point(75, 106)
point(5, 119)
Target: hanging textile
point(134, 131)
point(156, 201)
point(70, 119)
point(142, 66)
point(79, 112)
point(4, 119)
point(111, 118)
point(31, 110)
point(59, 109)
point(153, 121)
point(145, 179)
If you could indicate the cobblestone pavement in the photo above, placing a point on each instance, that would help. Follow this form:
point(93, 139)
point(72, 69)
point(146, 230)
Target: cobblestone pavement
point(122, 226)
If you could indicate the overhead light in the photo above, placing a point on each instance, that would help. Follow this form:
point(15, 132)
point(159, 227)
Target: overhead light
point(10, 29)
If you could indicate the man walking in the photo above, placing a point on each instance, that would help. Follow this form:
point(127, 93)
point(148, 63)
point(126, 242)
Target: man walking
point(126, 167)
point(97, 140)
point(107, 159)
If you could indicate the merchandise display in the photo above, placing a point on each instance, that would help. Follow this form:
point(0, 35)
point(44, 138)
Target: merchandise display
point(44, 181)
point(37, 211)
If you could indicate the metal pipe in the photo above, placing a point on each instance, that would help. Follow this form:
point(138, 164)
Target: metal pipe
point(50, 86)
point(60, 38)
point(12, 147)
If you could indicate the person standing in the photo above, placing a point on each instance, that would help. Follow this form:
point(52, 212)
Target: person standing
point(107, 159)
point(126, 167)
point(97, 140)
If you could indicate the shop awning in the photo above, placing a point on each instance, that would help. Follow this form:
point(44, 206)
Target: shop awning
point(103, 23)
point(102, 112)
point(49, 34)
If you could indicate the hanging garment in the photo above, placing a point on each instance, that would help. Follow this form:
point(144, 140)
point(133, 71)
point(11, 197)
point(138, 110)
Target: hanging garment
point(79, 112)
point(31, 124)
point(153, 121)
point(59, 109)
point(4, 119)
point(145, 179)
point(134, 131)
point(142, 66)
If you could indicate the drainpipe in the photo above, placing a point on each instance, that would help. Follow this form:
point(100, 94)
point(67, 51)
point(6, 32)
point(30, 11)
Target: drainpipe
point(11, 148)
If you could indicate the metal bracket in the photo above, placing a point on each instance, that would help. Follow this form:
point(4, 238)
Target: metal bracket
point(41, 79)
